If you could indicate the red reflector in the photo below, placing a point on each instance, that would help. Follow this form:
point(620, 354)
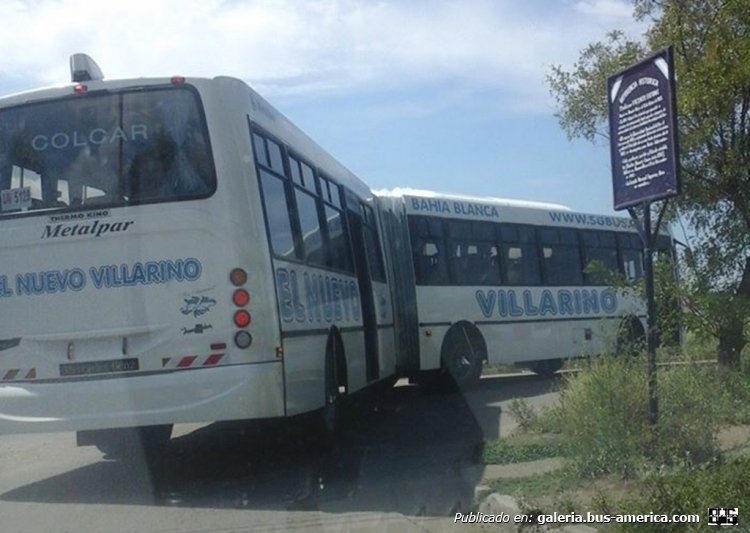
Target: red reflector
point(213, 359)
point(242, 318)
point(80, 88)
point(187, 361)
point(241, 298)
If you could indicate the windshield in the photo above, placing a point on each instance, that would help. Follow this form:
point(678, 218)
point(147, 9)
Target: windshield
point(104, 150)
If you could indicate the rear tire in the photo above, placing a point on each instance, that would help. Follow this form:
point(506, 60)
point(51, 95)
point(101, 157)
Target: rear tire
point(462, 354)
point(631, 338)
point(547, 368)
point(328, 420)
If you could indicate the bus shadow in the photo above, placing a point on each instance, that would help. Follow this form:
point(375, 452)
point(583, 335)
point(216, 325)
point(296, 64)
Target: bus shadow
point(414, 451)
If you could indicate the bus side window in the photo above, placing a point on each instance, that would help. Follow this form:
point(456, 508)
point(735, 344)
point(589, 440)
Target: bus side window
point(339, 254)
point(428, 250)
point(277, 214)
point(312, 237)
point(520, 258)
point(372, 245)
point(631, 255)
point(473, 253)
point(430, 263)
point(561, 257)
point(599, 246)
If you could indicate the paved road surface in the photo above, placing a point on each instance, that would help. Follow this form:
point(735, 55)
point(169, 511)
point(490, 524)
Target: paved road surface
point(406, 463)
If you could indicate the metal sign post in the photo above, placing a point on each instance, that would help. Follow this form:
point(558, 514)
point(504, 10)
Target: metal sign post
point(644, 153)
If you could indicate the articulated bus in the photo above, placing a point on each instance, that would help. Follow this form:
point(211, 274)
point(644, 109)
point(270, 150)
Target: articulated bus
point(506, 282)
point(175, 250)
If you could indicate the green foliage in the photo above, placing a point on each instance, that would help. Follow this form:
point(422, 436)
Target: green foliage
point(546, 420)
point(604, 413)
point(525, 415)
point(606, 424)
point(690, 405)
point(554, 482)
point(503, 451)
point(691, 491)
point(669, 292)
point(580, 93)
point(734, 397)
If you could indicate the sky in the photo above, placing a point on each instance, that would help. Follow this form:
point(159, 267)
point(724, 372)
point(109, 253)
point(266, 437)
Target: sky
point(441, 95)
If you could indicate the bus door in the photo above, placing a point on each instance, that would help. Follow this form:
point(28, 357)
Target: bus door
point(356, 213)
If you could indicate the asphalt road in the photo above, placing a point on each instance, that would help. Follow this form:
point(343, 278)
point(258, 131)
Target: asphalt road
point(406, 462)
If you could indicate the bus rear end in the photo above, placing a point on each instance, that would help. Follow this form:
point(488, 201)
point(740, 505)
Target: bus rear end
point(123, 300)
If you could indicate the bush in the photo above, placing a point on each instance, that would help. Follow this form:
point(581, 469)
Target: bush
point(689, 413)
point(604, 412)
point(525, 415)
point(692, 491)
point(529, 419)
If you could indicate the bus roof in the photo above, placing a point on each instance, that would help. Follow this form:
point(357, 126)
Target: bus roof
point(491, 209)
point(505, 202)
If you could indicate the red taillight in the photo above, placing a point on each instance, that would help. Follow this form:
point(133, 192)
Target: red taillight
point(241, 298)
point(178, 80)
point(242, 318)
point(80, 88)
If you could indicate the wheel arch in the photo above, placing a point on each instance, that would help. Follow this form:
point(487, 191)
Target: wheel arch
point(464, 330)
point(630, 331)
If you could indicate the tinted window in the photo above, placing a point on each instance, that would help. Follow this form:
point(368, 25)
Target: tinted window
point(275, 159)
point(339, 253)
point(600, 247)
point(111, 149)
point(428, 250)
point(374, 256)
point(520, 258)
point(308, 178)
point(372, 244)
point(259, 146)
point(312, 238)
point(521, 264)
point(631, 255)
point(474, 254)
point(277, 214)
point(561, 258)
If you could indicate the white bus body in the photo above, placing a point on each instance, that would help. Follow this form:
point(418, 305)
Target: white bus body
point(175, 250)
point(116, 303)
point(504, 280)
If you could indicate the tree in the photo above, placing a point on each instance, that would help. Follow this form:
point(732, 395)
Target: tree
point(711, 39)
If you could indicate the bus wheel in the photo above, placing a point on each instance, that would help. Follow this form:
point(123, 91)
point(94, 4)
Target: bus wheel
point(547, 368)
point(462, 354)
point(329, 417)
point(631, 337)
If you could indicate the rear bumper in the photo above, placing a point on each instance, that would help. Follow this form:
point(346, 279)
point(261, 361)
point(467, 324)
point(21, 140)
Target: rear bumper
point(200, 395)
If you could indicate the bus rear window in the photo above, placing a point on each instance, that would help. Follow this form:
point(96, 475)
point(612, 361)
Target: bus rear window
point(104, 150)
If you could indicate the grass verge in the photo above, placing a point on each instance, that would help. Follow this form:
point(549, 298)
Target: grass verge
point(614, 462)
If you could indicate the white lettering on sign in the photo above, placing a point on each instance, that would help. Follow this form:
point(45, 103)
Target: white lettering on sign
point(63, 140)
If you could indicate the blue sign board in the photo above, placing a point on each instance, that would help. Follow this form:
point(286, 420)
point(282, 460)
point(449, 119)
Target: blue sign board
point(643, 131)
